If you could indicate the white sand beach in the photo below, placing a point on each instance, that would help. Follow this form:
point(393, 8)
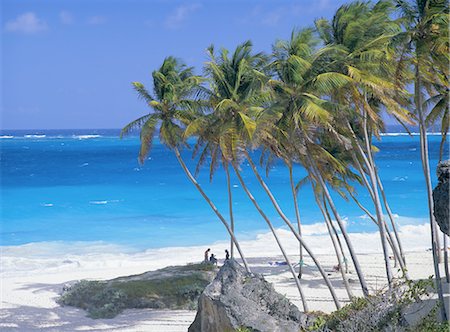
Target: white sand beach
point(31, 280)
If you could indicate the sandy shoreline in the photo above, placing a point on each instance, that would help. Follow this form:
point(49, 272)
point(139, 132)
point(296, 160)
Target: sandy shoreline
point(28, 296)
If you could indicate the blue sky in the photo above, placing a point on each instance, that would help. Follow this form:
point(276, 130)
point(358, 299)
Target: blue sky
point(70, 64)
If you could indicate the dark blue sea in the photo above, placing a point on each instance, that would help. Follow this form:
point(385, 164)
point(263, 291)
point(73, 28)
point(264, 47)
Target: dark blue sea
point(87, 185)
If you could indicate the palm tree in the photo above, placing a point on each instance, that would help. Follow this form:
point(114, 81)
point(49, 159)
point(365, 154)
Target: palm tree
point(299, 81)
point(438, 90)
point(238, 95)
point(291, 61)
point(207, 146)
point(172, 109)
point(357, 39)
point(425, 38)
point(236, 87)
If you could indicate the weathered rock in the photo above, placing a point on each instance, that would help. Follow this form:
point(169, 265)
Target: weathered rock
point(236, 299)
point(441, 197)
point(174, 287)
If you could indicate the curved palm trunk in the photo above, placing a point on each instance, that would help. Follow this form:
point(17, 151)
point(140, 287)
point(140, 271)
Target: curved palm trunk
point(341, 247)
point(396, 245)
point(426, 172)
point(297, 216)
point(213, 207)
point(391, 217)
point(335, 245)
point(293, 230)
point(230, 207)
point(435, 247)
point(390, 240)
point(395, 250)
point(252, 199)
point(379, 212)
point(355, 260)
point(389, 236)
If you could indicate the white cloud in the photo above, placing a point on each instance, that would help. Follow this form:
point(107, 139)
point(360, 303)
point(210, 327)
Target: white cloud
point(27, 23)
point(180, 14)
point(96, 20)
point(65, 17)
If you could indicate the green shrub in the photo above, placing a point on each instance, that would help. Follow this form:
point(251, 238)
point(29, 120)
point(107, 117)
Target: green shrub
point(178, 287)
point(345, 312)
point(96, 298)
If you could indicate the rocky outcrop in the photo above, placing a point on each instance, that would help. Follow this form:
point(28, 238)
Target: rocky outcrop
point(441, 197)
point(236, 299)
point(174, 287)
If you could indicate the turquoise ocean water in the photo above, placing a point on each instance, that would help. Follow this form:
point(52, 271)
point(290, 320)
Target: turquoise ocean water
point(86, 185)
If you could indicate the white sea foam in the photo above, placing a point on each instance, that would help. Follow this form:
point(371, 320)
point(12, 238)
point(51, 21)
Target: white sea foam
point(70, 256)
point(6, 137)
point(400, 178)
point(98, 202)
point(86, 136)
point(47, 204)
point(35, 136)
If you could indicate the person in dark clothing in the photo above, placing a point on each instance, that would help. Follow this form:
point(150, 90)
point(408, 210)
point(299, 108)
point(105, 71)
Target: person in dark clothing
point(227, 255)
point(213, 259)
point(206, 255)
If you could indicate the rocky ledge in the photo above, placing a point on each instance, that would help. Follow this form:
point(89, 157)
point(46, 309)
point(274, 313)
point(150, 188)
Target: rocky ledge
point(441, 197)
point(237, 300)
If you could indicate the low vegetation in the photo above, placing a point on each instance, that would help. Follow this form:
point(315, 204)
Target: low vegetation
point(171, 288)
point(386, 311)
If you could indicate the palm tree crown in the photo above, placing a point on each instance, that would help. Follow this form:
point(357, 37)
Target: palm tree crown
point(172, 107)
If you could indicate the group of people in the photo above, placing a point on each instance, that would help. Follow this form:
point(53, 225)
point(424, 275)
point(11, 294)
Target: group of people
point(212, 259)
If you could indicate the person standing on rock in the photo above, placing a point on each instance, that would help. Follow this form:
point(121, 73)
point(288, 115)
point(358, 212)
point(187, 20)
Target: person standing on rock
point(207, 255)
point(227, 255)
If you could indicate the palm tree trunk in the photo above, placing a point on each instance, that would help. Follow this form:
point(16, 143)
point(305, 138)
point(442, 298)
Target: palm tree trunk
point(371, 217)
point(395, 250)
point(438, 245)
point(230, 207)
point(261, 212)
point(426, 172)
point(355, 260)
point(397, 247)
point(335, 246)
point(442, 146)
point(391, 217)
point(379, 212)
point(398, 253)
point(297, 216)
point(447, 275)
point(213, 207)
point(341, 247)
point(293, 230)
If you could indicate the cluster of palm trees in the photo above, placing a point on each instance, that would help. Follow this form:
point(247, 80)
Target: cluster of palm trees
point(317, 101)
